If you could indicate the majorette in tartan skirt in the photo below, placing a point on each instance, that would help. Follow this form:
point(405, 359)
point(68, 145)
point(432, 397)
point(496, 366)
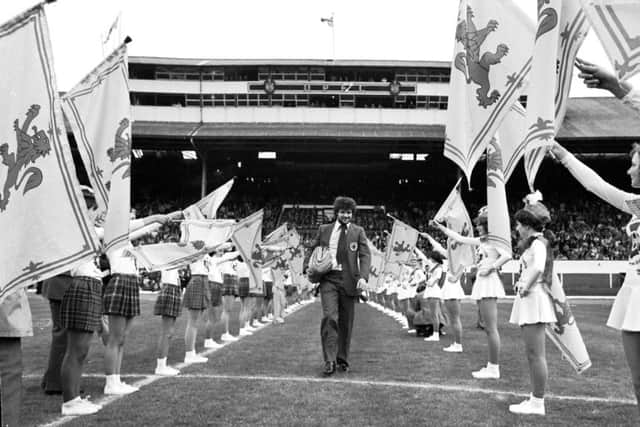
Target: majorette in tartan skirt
point(197, 295)
point(215, 284)
point(82, 304)
point(169, 301)
point(229, 279)
point(121, 296)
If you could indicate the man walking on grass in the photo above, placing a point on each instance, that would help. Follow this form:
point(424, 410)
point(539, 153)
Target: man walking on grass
point(341, 286)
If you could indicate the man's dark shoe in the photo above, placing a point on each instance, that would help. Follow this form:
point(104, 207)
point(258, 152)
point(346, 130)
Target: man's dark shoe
point(329, 369)
point(343, 366)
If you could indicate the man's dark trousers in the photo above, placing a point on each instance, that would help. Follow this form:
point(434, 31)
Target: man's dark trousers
point(337, 318)
point(54, 289)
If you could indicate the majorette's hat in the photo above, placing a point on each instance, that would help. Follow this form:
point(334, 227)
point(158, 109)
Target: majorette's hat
point(534, 207)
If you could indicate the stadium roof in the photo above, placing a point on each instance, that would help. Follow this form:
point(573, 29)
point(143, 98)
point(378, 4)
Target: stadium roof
point(599, 118)
point(587, 119)
point(288, 130)
point(151, 60)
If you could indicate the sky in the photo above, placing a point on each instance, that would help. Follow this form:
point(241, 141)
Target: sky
point(259, 29)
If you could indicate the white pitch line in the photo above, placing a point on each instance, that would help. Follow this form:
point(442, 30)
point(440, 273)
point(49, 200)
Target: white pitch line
point(146, 379)
point(369, 383)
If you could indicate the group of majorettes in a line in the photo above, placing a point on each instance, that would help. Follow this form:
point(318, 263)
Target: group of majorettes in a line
point(532, 308)
point(429, 286)
point(216, 281)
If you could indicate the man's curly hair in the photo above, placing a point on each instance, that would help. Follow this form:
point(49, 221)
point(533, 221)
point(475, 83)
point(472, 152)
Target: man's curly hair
point(345, 204)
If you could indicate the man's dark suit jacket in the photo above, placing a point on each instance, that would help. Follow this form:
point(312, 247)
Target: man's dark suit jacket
point(55, 287)
point(358, 254)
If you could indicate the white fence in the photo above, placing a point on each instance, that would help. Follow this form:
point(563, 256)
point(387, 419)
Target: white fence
point(576, 267)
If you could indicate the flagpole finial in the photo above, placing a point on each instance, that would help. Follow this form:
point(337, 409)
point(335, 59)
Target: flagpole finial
point(127, 39)
point(49, 1)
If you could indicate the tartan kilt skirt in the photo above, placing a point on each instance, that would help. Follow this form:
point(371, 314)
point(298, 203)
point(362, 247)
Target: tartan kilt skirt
point(122, 296)
point(268, 290)
point(82, 305)
point(197, 295)
point(169, 301)
point(229, 285)
point(216, 293)
point(243, 287)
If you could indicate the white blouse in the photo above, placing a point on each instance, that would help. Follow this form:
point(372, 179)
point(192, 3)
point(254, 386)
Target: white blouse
point(533, 259)
point(122, 262)
point(199, 268)
point(87, 269)
point(170, 276)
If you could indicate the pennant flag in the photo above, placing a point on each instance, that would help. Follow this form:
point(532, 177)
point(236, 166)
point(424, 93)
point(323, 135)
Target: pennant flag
point(45, 225)
point(111, 32)
point(197, 239)
point(99, 112)
point(279, 234)
point(454, 213)
point(296, 256)
point(168, 256)
point(492, 58)
point(512, 138)
point(564, 333)
point(192, 212)
point(573, 27)
point(400, 247)
point(499, 224)
point(246, 238)
point(377, 266)
point(616, 24)
point(275, 245)
point(208, 206)
point(211, 232)
point(540, 118)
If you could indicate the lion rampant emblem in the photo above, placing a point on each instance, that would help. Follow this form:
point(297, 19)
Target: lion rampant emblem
point(29, 149)
point(563, 314)
point(401, 247)
point(475, 67)
point(122, 149)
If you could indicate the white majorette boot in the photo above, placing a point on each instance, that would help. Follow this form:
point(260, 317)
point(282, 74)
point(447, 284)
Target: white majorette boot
point(192, 357)
point(531, 406)
point(454, 348)
point(79, 406)
point(489, 372)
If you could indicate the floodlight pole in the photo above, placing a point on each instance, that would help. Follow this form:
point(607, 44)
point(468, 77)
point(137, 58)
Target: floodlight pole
point(333, 36)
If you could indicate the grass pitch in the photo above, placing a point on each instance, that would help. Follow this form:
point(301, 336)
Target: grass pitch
point(273, 377)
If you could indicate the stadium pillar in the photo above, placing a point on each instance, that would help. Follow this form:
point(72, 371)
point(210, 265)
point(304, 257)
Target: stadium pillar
point(203, 182)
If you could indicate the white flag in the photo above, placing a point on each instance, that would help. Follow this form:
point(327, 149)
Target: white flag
point(617, 23)
point(574, 27)
point(43, 218)
point(197, 239)
point(168, 256)
point(400, 247)
point(492, 58)
point(512, 138)
point(210, 232)
point(296, 256)
point(377, 266)
point(210, 204)
point(99, 112)
point(498, 224)
point(540, 118)
point(454, 212)
point(246, 237)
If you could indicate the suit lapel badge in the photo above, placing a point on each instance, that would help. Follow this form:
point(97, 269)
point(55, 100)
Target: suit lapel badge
point(353, 246)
